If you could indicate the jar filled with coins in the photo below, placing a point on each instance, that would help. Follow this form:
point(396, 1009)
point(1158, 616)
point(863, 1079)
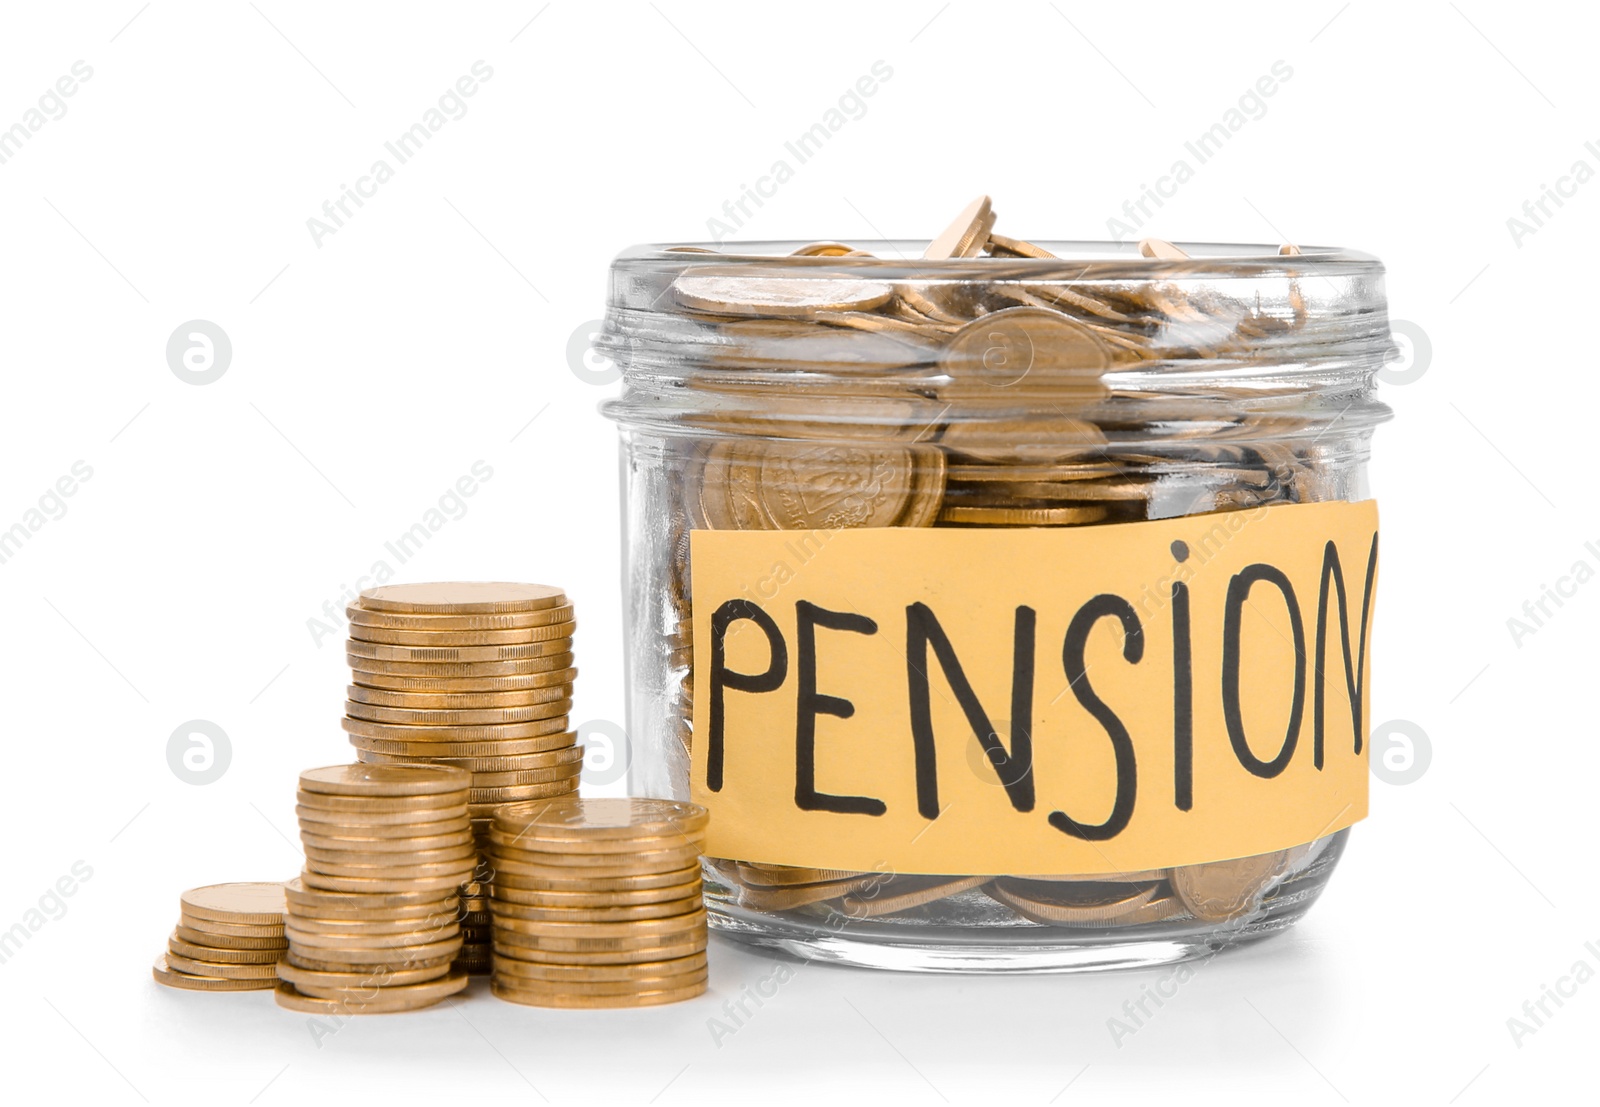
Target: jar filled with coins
point(1006, 603)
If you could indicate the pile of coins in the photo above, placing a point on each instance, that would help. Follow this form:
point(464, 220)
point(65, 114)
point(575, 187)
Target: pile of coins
point(1006, 395)
point(477, 676)
point(228, 939)
point(372, 922)
point(597, 902)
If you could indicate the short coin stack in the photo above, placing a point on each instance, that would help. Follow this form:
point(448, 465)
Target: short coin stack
point(373, 922)
point(229, 939)
point(597, 902)
point(477, 675)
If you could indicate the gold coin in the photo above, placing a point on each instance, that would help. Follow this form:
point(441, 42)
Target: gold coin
point(1032, 347)
point(460, 639)
point(252, 902)
point(827, 250)
point(595, 884)
point(383, 781)
point(455, 701)
point(549, 999)
point(397, 865)
point(778, 876)
point(546, 898)
point(1112, 906)
point(382, 978)
point(227, 941)
point(419, 859)
point(530, 840)
point(183, 948)
point(379, 823)
point(489, 715)
point(489, 798)
point(384, 749)
point(603, 992)
point(1020, 516)
point(903, 894)
point(231, 930)
point(1001, 246)
point(508, 778)
point(408, 845)
point(461, 598)
point(431, 809)
point(642, 970)
point(221, 970)
point(173, 978)
point(406, 956)
point(417, 924)
point(676, 853)
point(378, 1001)
point(305, 899)
point(401, 964)
point(1161, 249)
point(363, 667)
point(508, 620)
point(516, 941)
point(966, 235)
point(571, 755)
point(387, 885)
point(321, 942)
point(550, 645)
point(763, 291)
point(583, 820)
point(1222, 890)
point(454, 685)
point(1138, 876)
point(663, 910)
point(391, 731)
point(507, 949)
point(580, 866)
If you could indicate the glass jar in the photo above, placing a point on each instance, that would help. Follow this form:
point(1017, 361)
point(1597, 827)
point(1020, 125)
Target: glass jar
point(984, 457)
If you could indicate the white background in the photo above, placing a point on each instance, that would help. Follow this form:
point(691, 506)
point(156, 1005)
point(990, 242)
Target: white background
point(369, 372)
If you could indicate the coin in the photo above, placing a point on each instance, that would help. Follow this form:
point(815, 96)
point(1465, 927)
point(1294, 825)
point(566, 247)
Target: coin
point(570, 755)
point(228, 941)
point(401, 963)
point(418, 859)
point(517, 682)
point(489, 798)
point(581, 866)
point(595, 884)
point(388, 781)
point(663, 910)
point(966, 235)
point(627, 933)
point(550, 645)
point(505, 991)
point(319, 942)
point(304, 898)
point(378, 821)
point(315, 979)
point(455, 701)
point(482, 733)
point(376, 1001)
point(222, 970)
point(1114, 905)
point(183, 948)
point(461, 598)
point(365, 667)
point(782, 875)
point(251, 902)
point(1160, 249)
point(417, 924)
point(513, 942)
point(583, 900)
point(530, 839)
point(1001, 246)
point(460, 639)
point(173, 978)
point(637, 971)
point(550, 774)
point(1020, 516)
point(386, 749)
point(1222, 890)
point(1031, 347)
point(903, 894)
point(802, 895)
point(231, 930)
point(462, 837)
point(586, 819)
point(427, 622)
point(489, 715)
point(757, 290)
point(400, 883)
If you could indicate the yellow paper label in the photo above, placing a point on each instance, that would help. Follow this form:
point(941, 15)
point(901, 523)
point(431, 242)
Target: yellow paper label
point(1064, 700)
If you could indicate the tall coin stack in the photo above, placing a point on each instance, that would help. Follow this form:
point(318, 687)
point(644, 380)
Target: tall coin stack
point(372, 922)
point(229, 938)
point(476, 675)
point(597, 902)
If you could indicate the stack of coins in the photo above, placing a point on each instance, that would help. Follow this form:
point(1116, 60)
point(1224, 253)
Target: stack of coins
point(372, 922)
point(476, 675)
point(1011, 400)
point(597, 903)
point(229, 938)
